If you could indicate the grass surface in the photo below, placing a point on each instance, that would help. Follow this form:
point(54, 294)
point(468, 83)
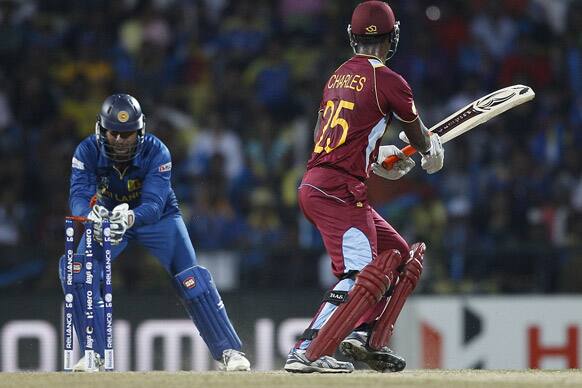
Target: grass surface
point(413, 378)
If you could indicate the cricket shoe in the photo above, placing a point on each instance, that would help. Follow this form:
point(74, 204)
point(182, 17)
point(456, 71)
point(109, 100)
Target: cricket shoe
point(234, 361)
point(297, 362)
point(383, 360)
point(81, 365)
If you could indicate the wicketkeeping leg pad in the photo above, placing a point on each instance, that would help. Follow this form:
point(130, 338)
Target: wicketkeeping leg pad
point(80, 300)
point(201, 299)
point(371, 284)
point(384, 327)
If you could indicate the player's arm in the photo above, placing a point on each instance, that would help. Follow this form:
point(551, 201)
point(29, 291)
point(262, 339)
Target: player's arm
point(154, 193)
point(83, 186)
point(398, 96)
point(83, 183)
point(155, 190)
point(417, 134)
point(315, 134)
point(429, 145)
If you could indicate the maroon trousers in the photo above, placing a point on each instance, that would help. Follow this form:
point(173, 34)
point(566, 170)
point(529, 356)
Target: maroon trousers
point(336, 203)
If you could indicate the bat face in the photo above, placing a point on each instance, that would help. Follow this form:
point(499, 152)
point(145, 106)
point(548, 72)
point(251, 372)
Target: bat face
point(489, 102)
point(477, 112)
point(482, 110)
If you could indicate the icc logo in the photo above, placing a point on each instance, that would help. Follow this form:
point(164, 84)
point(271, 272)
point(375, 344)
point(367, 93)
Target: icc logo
point(371, 29)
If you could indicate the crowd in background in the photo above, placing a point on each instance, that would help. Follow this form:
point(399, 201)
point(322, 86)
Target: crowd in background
point(233, 88)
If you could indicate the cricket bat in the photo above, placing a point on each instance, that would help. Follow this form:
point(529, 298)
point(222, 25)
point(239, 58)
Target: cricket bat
point(472, 115)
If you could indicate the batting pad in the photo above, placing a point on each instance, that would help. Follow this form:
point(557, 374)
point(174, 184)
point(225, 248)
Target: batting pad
point(80, 300)
point(201, 299)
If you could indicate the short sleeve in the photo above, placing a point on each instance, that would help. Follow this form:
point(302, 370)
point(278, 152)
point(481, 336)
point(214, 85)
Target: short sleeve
point(395, 95)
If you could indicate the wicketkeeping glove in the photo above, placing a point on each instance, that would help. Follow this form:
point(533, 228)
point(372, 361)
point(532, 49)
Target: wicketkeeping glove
point(97, 215)
point(399, 169)
point(122, 218)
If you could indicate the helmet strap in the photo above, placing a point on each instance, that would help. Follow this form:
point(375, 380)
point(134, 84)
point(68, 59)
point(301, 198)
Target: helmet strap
point(353, 42)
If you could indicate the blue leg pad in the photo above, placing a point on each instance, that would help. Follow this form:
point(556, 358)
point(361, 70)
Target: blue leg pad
point(80, 301)
point(201, 298)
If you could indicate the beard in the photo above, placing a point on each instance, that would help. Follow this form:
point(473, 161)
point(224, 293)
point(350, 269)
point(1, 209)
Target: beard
point(121, 152)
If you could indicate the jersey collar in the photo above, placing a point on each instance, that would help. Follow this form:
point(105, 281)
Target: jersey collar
point(369, 56)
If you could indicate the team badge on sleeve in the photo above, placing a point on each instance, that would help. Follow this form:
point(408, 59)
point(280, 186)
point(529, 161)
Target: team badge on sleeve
point(165, 167)
point(78, 164)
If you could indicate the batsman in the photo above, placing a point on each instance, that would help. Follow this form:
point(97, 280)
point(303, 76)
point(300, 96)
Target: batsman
point(376, 268)
point(126, 172)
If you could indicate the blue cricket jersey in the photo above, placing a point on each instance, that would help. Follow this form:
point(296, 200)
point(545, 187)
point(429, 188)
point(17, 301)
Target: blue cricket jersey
point(144, 184)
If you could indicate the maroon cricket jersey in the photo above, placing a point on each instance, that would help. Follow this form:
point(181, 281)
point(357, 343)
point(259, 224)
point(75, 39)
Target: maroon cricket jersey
point(358, 101)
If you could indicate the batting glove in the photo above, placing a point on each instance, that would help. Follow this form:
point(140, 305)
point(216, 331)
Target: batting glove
point(399, 169)
point(433, 159)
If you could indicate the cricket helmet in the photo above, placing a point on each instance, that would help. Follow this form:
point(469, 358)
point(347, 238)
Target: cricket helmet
point(120, 113)
point(374, 18)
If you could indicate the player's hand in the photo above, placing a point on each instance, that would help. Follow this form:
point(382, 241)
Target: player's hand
point(97, 215)
point(434, 158)
point(399, 169)
point(122, 218)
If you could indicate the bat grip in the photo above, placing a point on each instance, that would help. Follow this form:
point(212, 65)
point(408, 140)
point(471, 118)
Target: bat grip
point(389, 161)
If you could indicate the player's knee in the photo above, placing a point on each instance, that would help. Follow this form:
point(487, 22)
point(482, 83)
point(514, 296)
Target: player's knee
point(401, 246)
point(62, 268)
point(380, 274)
point(77, 265)
point(415, 261)
point(201, 299)
point(194, 281)
point(339, 293)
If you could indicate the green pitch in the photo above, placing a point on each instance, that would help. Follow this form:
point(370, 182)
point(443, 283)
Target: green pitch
point(413, 378)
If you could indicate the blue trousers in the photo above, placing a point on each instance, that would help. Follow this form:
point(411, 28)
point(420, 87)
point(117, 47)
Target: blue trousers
point(167, 240)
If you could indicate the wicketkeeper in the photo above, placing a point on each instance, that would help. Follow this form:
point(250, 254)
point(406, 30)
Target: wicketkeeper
point(130, 171)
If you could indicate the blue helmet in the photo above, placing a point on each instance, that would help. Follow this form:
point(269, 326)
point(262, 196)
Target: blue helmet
point(120, 113)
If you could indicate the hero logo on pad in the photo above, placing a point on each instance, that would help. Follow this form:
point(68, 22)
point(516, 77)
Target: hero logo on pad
point(189, 282)
point(77, 267)
point(165, 167)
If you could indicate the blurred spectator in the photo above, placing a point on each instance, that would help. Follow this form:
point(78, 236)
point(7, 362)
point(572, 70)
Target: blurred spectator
point(263, 236)
point(216, 139)
point(233, 87)
point(495, 29)
point(270, 77)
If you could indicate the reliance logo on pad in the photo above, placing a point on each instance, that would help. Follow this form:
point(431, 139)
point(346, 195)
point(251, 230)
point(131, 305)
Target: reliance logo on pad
point(189, 282)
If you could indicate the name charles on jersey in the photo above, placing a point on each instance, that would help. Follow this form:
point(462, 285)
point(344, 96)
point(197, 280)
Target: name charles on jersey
point(348, 81)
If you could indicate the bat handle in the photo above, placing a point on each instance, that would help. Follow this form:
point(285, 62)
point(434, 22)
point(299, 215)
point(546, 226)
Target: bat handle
point(389, 161)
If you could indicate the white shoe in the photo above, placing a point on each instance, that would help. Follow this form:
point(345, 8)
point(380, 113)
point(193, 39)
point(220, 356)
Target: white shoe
point(298, 363)
point(233, 361)
point(80, 366)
